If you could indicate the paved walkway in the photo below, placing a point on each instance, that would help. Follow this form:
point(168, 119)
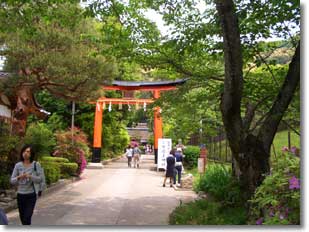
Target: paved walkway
point(114, 195)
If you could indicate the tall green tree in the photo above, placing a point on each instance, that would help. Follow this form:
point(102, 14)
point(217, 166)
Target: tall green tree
point(51, 45)
point(250, 150)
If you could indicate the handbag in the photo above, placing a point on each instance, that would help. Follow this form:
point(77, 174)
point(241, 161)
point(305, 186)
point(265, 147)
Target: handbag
point(42, 185)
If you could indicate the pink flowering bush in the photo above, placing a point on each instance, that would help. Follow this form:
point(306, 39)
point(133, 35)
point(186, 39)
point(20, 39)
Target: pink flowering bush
point(82, 162)
point(77, 152)
point(277, 199)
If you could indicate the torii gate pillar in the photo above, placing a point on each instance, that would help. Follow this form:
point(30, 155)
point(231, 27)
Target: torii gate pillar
point(97, 137)
point(158, 133)
point(97, 134)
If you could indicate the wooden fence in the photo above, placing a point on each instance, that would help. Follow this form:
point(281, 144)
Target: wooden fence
point(218, 148)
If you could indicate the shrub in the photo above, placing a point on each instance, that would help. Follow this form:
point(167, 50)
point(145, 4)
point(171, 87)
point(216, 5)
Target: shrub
point(204, 212)
point(51, 171)
point(277, 199)
point(191, 153)
point(82, 163)
point(8, 153)
point(54, 159)
point(106, 154)
point(41, 138)
point(142, 149)
point(76, 152)
point(219, 183)
point(56, 122)
point(5, 181)
point(68, 169)
point(115, 138)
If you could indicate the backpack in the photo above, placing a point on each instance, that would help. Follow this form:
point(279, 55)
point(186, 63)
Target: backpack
point(42, 185)
point(136, 151)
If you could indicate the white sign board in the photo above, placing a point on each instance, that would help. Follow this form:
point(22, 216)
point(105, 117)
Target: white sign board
point(164, 148)
point(200, 165)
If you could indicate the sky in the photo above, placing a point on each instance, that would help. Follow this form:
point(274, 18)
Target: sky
point(157, 18)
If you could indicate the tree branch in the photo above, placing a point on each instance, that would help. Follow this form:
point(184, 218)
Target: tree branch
point(59, 94)
point(79, 84)
point(180, 69)
point(269, 69)
point(292, 128)
point(250, 112)
point(284, 97)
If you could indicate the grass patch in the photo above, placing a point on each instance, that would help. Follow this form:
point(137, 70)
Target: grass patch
point(222, 204)
point(204, 212)
point(281, 140)
point(196, 175)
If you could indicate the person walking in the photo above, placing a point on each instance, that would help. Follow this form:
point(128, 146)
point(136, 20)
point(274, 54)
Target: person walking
point(170, 167)
point(27, 175)
point(147, 149)
point(178, 166)
point(180, 145)
point(129, 154)
point(136, 156)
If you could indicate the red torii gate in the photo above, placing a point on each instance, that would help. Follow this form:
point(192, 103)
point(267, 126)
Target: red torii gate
point(155, 87)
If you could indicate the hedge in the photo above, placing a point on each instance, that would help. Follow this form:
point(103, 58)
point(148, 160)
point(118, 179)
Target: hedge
point(54, 159)
point(5, 181)
point(51, 171)
point(191, 153)
point(68, 169)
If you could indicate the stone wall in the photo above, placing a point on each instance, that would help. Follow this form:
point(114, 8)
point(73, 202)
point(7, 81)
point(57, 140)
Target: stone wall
point(187, 181)
point(8, 200)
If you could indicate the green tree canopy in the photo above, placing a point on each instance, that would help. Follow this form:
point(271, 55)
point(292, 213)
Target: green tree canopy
point(52, 45)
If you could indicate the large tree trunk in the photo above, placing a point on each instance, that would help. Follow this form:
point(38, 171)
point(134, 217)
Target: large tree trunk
point(23, 104)
point(250, 152)
point(253, 163)
point(233, 82)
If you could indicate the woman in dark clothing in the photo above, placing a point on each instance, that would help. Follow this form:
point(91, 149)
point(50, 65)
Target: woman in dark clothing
point(170, 166)
point(27, 175)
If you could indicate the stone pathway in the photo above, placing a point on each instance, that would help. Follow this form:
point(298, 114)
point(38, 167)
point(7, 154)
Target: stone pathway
point(114, 195)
